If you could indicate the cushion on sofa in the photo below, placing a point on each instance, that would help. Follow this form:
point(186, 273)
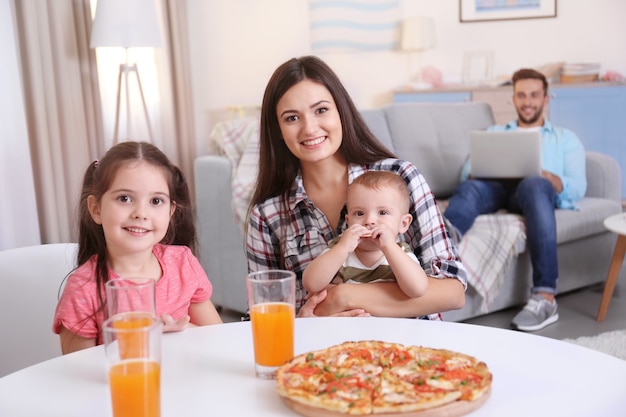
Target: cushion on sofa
point(578, 224)
point(435, 137)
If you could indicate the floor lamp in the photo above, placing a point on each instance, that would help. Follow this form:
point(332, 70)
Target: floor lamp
point(418, 34)
point(126, 24)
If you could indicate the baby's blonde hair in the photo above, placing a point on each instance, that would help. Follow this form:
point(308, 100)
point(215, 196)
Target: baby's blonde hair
point(375, 180)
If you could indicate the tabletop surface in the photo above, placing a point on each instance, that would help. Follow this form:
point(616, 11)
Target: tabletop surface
point(209, 371)
point(616, 223)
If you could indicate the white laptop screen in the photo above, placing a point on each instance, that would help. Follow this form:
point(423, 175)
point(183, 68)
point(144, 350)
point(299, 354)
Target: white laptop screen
point(506, 154)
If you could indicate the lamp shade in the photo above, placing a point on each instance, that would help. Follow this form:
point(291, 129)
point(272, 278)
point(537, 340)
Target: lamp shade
point(125, 23)
point(418, 33)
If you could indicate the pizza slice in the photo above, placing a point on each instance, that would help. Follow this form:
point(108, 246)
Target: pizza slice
point(397, 395)
point(316, 379)
point(450, 370)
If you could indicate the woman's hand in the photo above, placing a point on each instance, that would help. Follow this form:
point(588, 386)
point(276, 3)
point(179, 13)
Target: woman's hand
point(386, 299)
point(314, 300)
point(171, 325)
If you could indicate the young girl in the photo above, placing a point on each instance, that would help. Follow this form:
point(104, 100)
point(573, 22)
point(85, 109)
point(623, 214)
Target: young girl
point(313, 143)
point(135, 221)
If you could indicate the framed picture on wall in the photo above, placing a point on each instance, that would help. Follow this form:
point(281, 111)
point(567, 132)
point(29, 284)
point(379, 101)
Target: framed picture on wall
point(487, 10)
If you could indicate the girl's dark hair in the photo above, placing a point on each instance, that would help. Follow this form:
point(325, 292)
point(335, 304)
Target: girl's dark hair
point(98, 179)
point(278, 167)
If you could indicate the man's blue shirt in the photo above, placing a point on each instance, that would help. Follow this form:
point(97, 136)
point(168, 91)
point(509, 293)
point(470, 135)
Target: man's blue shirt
point(563, 154)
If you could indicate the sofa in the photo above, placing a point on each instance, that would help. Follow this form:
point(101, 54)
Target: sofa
point(435, 137)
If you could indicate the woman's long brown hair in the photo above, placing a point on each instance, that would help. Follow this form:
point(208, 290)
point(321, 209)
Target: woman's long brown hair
point(278, 167)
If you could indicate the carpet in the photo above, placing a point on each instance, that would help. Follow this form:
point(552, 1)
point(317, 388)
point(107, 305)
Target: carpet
point(612, 343)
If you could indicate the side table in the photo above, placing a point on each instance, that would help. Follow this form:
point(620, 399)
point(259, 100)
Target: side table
point(617, 224)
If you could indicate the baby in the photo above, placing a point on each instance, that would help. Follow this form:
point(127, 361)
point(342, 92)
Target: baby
point(368, 250)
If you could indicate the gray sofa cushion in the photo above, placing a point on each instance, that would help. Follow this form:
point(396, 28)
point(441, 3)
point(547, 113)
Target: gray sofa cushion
point(572, 225)
point(435, 137)
point(602, 178)
point(376, 121)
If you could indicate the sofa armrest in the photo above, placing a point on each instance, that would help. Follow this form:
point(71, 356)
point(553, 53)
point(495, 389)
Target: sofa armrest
point(603, 177)
point(220, 237)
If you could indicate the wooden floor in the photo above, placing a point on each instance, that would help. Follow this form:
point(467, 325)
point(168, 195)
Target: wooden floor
point(577, 314)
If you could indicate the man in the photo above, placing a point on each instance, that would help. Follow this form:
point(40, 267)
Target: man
point(561, 184)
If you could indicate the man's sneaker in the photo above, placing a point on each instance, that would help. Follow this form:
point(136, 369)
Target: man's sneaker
point(537, 314)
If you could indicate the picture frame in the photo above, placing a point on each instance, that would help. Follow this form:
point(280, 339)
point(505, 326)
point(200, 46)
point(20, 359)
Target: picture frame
point(477, 67)
point(490, 10)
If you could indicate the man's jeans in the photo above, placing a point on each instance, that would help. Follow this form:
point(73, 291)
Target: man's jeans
point(534, 198)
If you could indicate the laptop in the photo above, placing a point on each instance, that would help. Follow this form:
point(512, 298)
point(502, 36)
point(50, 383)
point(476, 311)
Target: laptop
point(508, 154)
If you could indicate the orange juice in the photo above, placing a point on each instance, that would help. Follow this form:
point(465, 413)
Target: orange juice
point(133, 344)
point(135, 389)
point(272, 331)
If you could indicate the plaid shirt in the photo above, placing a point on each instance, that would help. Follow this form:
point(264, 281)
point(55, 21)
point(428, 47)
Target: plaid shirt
point(308, 232)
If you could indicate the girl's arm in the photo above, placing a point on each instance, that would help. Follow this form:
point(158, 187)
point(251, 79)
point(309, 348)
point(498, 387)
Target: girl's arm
point(386, 299)
point(71, 342)
point(204, 313)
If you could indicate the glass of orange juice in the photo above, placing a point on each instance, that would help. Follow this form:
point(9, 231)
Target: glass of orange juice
point(126, 295)
point(132, 343)
point(271, 297)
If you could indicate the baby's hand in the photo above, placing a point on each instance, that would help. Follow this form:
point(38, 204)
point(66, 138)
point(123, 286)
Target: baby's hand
point(351, 237)
point(383, 236)
point(171, 325)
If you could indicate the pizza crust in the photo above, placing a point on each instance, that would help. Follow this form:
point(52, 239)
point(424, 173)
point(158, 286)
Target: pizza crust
point(455, 409)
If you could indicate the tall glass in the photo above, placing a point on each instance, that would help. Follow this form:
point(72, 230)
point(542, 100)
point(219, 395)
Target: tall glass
point(130, 295)
point(132, 343)
point(271, 298)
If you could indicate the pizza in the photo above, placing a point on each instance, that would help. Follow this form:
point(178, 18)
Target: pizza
point(373, 377)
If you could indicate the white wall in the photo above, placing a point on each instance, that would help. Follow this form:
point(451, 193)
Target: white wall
point(236, 45)
point(19, 225)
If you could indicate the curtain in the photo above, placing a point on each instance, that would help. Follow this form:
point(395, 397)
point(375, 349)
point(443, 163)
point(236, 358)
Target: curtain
point(174, 75)
point(62, 106)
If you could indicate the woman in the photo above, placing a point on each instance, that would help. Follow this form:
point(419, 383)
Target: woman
point(313, 143)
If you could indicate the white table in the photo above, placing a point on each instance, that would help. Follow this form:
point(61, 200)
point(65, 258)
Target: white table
point(616, 224)
point(209, 371)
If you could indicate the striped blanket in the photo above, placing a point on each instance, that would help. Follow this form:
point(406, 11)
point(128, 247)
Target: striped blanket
point(238, 140)
point(486, 250)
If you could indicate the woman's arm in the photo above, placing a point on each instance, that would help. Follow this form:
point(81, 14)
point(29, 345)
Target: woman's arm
point(386, 299)
point(308, 309)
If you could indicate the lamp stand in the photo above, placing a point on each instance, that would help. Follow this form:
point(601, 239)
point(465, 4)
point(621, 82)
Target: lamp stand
point(125, 71)
point(416, 81)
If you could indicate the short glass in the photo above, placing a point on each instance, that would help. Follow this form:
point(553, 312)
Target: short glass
point(132, 343)
point(271, 298)
point(125, 295)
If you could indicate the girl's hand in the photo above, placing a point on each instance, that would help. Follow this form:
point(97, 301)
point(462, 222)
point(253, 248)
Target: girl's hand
point(171, 325)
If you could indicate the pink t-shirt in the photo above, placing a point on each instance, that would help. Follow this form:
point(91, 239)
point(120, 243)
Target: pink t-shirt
point(183, 282)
